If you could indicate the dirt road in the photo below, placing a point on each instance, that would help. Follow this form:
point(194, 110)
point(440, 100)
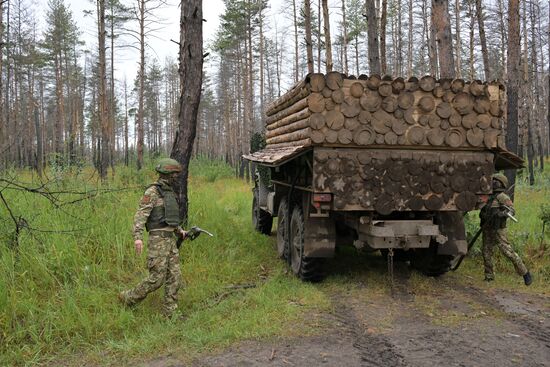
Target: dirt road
point(451, 323)
point(447, 321)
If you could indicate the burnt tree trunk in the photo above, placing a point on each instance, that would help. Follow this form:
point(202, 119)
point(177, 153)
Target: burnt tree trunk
point(190, 70)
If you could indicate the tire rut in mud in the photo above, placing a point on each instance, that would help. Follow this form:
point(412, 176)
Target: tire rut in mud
point(527, 322)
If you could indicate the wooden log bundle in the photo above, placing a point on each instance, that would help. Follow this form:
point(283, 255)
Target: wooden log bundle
point(336, 110)
point(396, 180)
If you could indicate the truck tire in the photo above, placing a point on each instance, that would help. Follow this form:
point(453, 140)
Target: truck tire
point(262, 220)
point(282, 229)
point(429, 262)
point(306, 268)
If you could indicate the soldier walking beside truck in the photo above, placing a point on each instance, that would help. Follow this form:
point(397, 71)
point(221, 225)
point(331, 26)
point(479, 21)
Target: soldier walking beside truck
point(159, 213)
point(493, 223)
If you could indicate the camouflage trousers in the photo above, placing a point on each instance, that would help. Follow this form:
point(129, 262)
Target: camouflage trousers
point(164, 268)
point(497, 237)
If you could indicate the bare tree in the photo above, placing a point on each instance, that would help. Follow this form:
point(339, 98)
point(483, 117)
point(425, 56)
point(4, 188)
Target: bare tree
point(372, 30)
point(190, 70)
point(440, 9)
point(514, 47)
point(327, 35)
point(309, 45)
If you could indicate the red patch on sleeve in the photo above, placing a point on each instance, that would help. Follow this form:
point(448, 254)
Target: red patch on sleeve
point(146, 199)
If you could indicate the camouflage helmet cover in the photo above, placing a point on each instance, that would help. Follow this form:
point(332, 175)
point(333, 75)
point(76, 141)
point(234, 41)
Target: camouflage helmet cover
point(167, 166)
point(501, 178)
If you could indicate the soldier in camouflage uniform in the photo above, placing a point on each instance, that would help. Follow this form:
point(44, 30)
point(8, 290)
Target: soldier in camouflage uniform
point(159, 213)
point(493, 224)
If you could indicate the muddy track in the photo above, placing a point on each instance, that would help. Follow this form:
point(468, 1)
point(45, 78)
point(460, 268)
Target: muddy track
point(374, 350)
point(533, 321)
point(449, 323)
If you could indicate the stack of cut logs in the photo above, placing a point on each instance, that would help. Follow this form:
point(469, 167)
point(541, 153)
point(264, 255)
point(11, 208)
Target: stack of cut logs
point(384, 180)
point(334, 110)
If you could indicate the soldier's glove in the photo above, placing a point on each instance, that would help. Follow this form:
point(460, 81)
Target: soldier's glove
point(181, 233)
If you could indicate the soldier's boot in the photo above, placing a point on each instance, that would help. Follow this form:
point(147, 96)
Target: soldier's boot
point(125, 298)
point(169, 310)
point(527, 278)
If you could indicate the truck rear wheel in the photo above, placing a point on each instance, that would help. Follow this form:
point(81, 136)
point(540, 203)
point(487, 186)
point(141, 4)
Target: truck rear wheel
point(429, 262)
point(307, 268)
point(262, 220)
point(282, 229)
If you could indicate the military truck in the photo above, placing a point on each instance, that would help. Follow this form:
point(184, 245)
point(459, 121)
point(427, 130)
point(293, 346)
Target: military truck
point(381, 163)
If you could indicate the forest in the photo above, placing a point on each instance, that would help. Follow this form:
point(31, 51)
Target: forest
point(80, 138)
point(64, 104)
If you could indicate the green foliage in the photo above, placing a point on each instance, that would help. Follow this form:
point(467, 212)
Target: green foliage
point(58, 291)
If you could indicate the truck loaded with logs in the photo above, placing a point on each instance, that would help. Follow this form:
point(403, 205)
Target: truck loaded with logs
point(380, 163)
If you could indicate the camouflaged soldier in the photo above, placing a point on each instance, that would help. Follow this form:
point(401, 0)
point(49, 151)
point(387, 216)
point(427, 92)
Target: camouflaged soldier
point(159, 213)
point(493, 224)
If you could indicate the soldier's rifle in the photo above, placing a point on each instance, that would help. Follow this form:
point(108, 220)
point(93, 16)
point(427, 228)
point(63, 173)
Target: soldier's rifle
point(192, 235)
point(508, 213)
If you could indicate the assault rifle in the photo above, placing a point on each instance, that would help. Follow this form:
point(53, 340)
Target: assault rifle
point(508, 212)
point(192, 234)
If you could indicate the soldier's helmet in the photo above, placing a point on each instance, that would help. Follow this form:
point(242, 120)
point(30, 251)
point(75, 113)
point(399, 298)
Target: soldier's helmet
point(167, 166)
point(502, 179)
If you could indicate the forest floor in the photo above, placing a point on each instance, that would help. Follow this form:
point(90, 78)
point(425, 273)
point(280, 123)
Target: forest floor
point(453, 320)
point(242, 307)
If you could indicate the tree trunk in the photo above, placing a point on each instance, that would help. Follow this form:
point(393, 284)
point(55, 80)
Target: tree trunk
point(296, 44)
point(141, 5)
point(458, 40)
point(440, 10)
point(190, 69)
point(483, 40)
point(260, 126)
point(372, 32)
point(328, 43)
point(432, 45)
point(309, 46)
point(514, 45)
point(103, 113)
point(344, 38)
point(383, 23)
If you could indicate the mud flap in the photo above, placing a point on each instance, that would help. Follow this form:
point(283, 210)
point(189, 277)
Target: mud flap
point(320, 237)
point(451, 224)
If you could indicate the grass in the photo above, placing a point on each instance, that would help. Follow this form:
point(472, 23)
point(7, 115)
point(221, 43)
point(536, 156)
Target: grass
point(58, 289)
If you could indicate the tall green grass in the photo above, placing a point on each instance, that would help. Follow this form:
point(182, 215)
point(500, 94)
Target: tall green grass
point(58, 287)
point(58, 290)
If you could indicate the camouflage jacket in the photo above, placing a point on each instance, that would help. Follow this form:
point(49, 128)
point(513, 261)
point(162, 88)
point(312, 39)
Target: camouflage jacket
point(496, 214)
point(150, 199)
